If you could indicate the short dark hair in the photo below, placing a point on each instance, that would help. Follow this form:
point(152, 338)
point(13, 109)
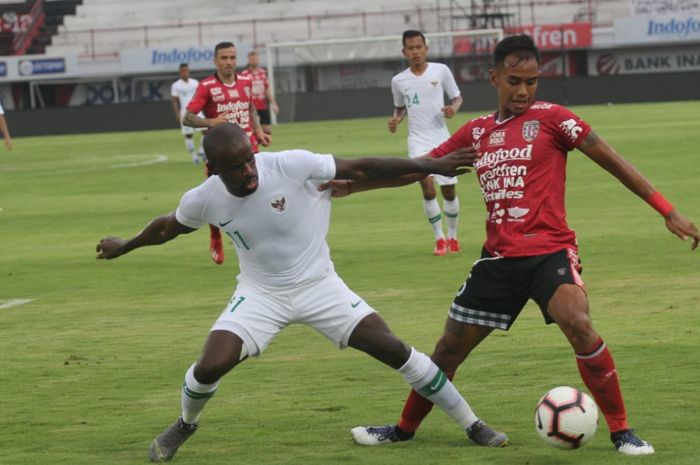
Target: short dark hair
point(184, 65)
point(520, 45)
point(221, 45)
point(411, 33)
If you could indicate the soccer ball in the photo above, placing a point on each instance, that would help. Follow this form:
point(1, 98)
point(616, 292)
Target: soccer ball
point(566, 418)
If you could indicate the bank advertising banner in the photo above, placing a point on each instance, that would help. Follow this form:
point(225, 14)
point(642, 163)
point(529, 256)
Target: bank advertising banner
point(657, 29)
point(168, 59)
point(644, 61)
point(37, 67)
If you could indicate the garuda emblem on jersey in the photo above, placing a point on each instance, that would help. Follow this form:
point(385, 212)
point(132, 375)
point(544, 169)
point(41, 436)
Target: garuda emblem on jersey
point(278, 204)
point(530, 130)
point(434, 83)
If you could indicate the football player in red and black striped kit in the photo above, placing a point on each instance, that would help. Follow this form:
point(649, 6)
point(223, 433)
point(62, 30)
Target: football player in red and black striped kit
point(530, 252)
point(225, 97)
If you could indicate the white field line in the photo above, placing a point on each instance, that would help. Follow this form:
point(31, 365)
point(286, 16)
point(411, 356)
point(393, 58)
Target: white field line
point(13, 303)
point(159, 158)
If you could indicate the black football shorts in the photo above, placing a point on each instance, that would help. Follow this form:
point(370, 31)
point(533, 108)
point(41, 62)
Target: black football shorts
point(497, 288)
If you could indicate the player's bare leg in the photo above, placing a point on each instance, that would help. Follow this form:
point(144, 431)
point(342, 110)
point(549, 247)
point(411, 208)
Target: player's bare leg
point(373, 336)
point(569, 309)
point(222, 351)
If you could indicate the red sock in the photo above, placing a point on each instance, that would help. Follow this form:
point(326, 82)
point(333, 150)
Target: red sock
point(214, 232)
point(597, 369)
point(415, 410)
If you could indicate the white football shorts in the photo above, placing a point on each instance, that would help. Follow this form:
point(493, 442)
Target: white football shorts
point(256, 314)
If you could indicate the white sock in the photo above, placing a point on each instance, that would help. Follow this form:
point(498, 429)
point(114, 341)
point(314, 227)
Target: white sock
point(189, 143)
point(194, 396)
point(432, 383)
point(452, 216)
point(432, 211)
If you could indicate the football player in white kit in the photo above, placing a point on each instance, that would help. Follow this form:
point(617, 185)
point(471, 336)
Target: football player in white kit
point(5, 131)
point(419, 92)
point(181, 93)
point(273, 211)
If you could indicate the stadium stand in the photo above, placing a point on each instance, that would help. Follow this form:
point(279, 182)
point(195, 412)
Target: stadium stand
point(102, 27)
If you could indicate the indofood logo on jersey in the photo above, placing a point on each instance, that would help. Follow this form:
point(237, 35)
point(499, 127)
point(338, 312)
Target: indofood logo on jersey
point(491, 159)
point(231, 107)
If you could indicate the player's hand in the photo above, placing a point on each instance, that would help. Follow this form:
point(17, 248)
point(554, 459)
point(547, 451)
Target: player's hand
point(275, 108)
point(264, 138)
point(453, 163)
point(448, 111)
point(110, 247)
point(221, 119)
point(340, 187)
point(683, 228)
point(393, 124)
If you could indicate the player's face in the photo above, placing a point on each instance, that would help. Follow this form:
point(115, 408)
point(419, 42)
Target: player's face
point(415, 51)
point(253, 60)
point(238, 173)
point(225, 61)
point(516, 84)
point(184, 73)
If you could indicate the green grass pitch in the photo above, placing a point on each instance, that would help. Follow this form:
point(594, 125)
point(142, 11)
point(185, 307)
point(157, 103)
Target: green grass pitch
point(91, 366)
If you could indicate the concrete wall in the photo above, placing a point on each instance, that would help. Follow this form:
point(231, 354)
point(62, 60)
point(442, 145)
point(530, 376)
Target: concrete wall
point(478, 96)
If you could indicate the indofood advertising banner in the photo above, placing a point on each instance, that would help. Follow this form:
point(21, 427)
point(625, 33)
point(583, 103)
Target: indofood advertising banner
point(657, 29)
point(168, 59)
point(644, 61)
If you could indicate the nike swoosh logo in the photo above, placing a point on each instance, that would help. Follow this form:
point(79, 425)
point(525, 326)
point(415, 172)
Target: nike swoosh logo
point(224, 224)
point(539, 421)
point(437, 382)
point(356, 304)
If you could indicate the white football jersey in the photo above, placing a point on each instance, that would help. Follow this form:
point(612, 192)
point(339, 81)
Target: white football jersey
point(424, 97)
point(184, 91)
point(279, 231)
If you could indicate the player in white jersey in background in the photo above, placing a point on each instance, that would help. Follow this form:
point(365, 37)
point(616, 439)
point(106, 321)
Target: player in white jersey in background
point(271, 207)
point(419, 93)
point(181, 93)
point(4, 130)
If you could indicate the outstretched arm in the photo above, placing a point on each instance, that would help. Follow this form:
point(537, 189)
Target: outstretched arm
point(604, 155)
point(373, 173)
point(160, 230)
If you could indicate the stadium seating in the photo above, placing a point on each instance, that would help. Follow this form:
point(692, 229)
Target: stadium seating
point(102, 27)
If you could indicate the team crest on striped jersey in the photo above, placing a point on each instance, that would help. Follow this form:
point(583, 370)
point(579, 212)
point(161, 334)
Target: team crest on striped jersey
point(530, 130)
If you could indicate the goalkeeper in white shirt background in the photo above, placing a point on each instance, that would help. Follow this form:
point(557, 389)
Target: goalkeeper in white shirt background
point(419, 93)
point(272, 207)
